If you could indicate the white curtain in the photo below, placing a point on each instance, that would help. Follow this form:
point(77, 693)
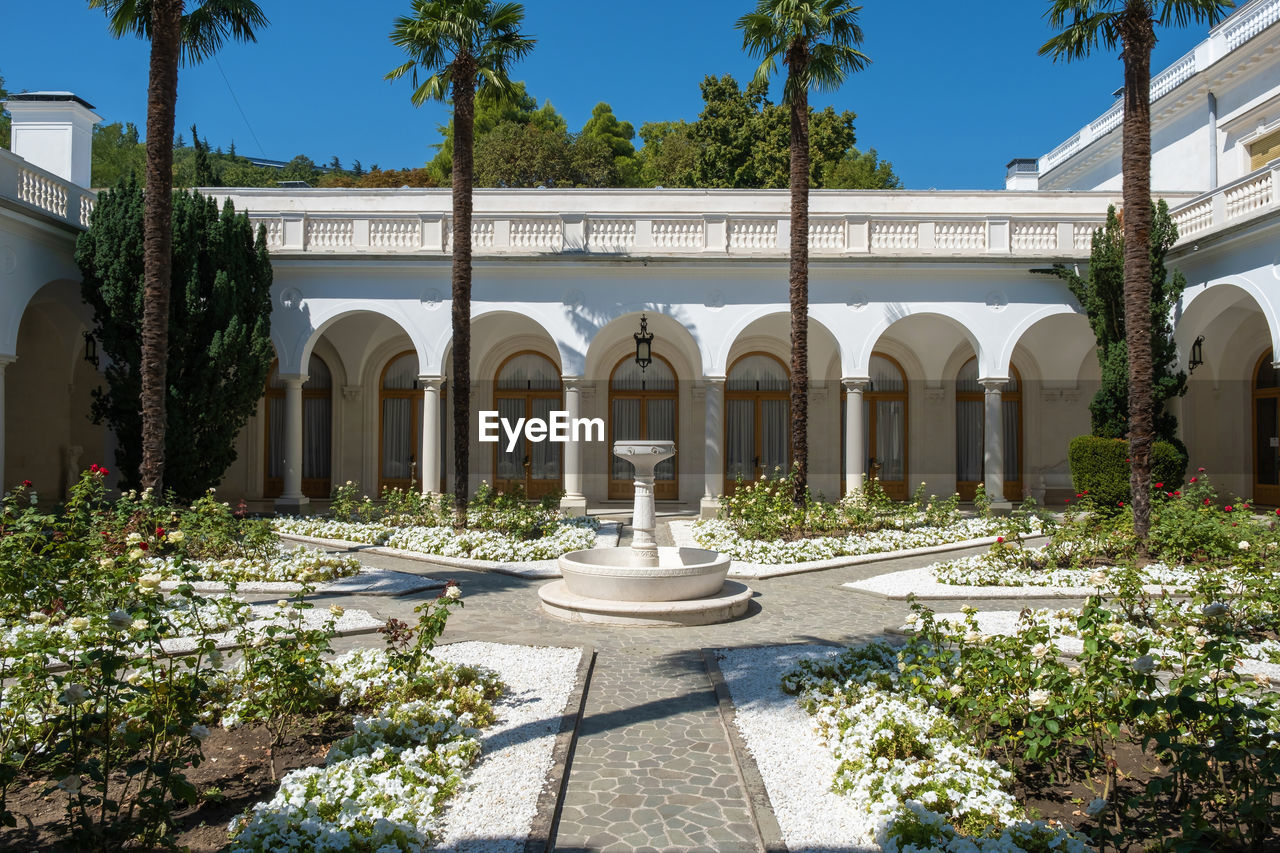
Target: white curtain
point(316, 437)
point(774, 416)
point(546, 454)
point(891, 440)
point(969, 441)
point(275, 440)
point(397, 437)
point(1012, 422)
point(740, 440)
point(660, 424)
point(511, 465)
point(626, 427)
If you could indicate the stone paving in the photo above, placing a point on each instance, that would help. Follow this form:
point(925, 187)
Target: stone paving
point(653, 768)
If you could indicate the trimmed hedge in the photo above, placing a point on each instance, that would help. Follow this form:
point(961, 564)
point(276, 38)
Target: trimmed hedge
point(1100, 466)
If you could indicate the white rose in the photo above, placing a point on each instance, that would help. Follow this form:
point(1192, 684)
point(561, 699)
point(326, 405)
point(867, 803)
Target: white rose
point(1244, 545)
point(1201, 641)
point(972, 638)
point(149, 581)
point(452, 593)
point(1039, 651)
point(79, 623)
point(956, 690)
point(1098, 578)
point(176, 536)
point(139, 624)
point(284, 602)
point(337, 610)
point(133, 538)
point(37, 617)
point(135, 554)
point(1038, 698)
point(1117, 636)
point(1144, 665)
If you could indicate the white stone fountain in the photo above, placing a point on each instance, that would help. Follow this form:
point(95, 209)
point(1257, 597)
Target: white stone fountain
point(645, 585)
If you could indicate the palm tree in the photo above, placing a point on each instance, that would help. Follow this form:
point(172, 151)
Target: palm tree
point(818, 40)
point(462, 45)
point(1086, 25)
point(175, 38)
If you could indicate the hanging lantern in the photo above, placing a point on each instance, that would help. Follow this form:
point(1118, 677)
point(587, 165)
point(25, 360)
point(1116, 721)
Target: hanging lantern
point(644, 344)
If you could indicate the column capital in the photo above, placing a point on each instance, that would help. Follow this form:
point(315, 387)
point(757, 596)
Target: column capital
point(856, 384)
point(430, 381)
point(6, 359)
point(292, 379)
point(574, 383)
point(994, 384)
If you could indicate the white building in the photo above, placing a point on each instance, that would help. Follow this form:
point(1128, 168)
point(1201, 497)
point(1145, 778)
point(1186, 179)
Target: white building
point(955, 362)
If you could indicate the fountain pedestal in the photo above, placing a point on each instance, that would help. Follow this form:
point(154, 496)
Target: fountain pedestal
point(645, 585)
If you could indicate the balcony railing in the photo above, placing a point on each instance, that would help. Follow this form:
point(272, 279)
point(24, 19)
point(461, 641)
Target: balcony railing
point(44, 191)
point(1231, 204)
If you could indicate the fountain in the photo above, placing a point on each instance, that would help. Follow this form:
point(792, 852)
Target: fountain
point(645, 585)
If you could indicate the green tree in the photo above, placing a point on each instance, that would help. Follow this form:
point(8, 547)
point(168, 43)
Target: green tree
point(462, 45)
point(5, 140)
point(1130, 25)
point(204, 176)
point(492, 108)
point(1101, 292)
point(117, 153)
point(818, 41)
point(219, 325)
point(174, 37)
point(861, 171)
point(669, 157)
point(604, 126)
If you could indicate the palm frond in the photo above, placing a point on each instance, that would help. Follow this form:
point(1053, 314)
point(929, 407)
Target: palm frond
point(826, 31)
point(205, 28)
point(1083, 30)
point(1181, 13)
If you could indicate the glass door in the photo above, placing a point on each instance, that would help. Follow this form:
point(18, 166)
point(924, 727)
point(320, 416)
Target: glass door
point(642, 405)
point(757, 420)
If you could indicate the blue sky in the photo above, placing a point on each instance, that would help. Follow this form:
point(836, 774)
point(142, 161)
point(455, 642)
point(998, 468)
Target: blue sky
point(952, 95)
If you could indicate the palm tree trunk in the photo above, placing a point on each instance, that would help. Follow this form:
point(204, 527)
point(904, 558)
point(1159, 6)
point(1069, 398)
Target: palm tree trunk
point(463, 137)
point(1138, 37)
point(157, 234)
point(798, 278)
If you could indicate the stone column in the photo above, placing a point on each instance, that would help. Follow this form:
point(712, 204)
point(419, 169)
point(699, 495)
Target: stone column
point(993, 440)
point(430, 450)
point(5, 361)
point(574, 501)
point(291, 499)
point(713, 471)
point(855, 456)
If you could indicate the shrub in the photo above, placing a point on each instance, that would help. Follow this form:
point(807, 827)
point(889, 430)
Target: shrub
point(1100, 468)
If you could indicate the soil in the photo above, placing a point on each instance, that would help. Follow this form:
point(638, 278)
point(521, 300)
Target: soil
point(1054, 800)
point(234, 775)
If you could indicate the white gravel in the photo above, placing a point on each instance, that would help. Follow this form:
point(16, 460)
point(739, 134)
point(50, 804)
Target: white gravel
point(797, 768)
point(924, 584)
point(495, 811)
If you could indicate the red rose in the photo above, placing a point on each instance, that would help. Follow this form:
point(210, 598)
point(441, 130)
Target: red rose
point(999, 539)
point(142, 546)
point(1206, 501)
point(26, 484)
point(1177, 493)
point(1119, 503)
point(1201, 470)
point(1227, 507)
point(159, 531)
point(1193, 479)
point(1068, 500)
point(1159, 485)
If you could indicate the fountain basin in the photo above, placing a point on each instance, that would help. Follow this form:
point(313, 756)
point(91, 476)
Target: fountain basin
point(610, 574)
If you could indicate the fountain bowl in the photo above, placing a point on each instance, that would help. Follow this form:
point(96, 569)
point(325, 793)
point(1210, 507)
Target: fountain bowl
point(609, 573)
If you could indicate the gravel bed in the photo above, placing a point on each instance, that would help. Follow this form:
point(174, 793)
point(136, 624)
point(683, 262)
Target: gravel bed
point(495, 811)
point(797, 768)
point(924, 584)
point(1004, 622)
point(370, 581)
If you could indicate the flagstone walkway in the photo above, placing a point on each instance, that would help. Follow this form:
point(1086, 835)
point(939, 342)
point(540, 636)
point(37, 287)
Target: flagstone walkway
point(653, 768)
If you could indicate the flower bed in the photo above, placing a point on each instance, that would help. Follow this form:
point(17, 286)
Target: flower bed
point(906, 533)
point(988, 570)
point(301, 565)
point(919, 781)
point(383, 787)
point(567, 535)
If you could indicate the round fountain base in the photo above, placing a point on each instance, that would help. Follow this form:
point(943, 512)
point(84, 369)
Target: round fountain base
point(729, 603)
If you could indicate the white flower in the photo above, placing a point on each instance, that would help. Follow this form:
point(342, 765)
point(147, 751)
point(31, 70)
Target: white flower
point(176, 536)
point(1144, 665)
point(135, 554)
point(139, 624)
point(1214, 610)
point(1075, 671)
point(149, 581)
point(133, 538)
point(1117, 636)
point(1039, 651)
point(1038, 698)
point(199, 732)
point(105, 563)
point(337, 610)
point(1096, 807)
point(1201, 641)
point(1098, 578)
point(956, 690)
point(1261, 680)
point(913, 619)
point(37, 617)
point(78, 623)
point(1193, 630)
point(1244, 545)
point(73, 694)
point(119, 619)
point(972, 638)
point(284, 602)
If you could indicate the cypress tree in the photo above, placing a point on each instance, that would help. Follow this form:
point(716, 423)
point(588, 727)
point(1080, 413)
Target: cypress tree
point(220, 351)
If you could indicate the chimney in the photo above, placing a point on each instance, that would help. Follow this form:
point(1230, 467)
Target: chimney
point(54, 131)
point(1023, 174)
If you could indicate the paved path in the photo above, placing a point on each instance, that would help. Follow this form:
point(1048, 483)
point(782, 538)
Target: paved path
point(653, 768)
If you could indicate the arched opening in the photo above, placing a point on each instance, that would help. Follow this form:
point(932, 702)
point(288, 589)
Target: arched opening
point(971, 432)
point(317, 431)
point(642, 405)
point(757, 419)
point(400, 422)
point(1266, 431)
point(528, 386)
point(885, 408)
